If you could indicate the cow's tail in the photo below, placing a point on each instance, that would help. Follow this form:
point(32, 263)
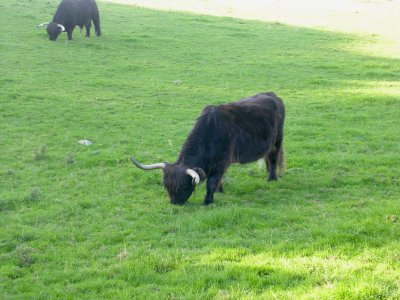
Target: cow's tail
point(281, 161)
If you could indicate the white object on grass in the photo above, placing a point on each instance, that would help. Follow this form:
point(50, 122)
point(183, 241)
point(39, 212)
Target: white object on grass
point(85, 142)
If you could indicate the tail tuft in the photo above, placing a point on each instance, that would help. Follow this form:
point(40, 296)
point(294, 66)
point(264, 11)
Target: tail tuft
point(281, 161)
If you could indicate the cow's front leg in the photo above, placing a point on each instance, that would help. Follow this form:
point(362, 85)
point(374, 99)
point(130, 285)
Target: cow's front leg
point(87, 26)
point(213, 183)
point(69, 33)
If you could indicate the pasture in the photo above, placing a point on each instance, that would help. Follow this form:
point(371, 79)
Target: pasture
point(81, 221)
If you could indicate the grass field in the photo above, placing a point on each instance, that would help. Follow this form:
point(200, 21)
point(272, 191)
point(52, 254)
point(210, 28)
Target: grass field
point(80, 221)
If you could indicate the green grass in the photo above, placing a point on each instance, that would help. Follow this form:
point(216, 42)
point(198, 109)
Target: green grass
point(81, 222)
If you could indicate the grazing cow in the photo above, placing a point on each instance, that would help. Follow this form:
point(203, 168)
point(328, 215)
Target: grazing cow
point(238, 132)
point(71, 13)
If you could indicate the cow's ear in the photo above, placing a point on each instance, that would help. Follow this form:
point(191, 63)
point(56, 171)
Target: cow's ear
point(201, 173)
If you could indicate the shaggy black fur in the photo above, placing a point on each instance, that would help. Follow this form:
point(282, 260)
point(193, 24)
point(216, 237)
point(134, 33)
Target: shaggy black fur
point(238, 132)
point(71, 13)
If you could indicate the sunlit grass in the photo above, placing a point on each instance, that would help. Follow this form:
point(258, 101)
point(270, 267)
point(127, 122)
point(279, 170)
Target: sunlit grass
point(376, 19)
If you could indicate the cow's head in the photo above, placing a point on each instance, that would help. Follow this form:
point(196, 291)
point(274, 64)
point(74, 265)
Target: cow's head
point(179, 180)
point(53, 29)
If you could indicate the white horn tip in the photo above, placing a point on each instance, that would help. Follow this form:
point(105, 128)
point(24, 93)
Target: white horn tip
point(61, 27)
point(194, 175)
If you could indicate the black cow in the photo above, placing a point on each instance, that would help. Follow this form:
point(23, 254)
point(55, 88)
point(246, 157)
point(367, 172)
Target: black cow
point(242, 132)
point(71, 13)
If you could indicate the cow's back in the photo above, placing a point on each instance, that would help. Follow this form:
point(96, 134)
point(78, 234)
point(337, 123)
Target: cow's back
point(66, 12)
point(241, 131)
point(84, 11)
point(255, 124)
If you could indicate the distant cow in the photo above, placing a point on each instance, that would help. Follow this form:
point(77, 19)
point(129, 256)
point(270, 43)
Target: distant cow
point(238, 132)
point(71, 13)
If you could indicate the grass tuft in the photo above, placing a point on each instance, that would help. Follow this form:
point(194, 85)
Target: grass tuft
point(25, 255)
point(40, 153)
point(34, 194)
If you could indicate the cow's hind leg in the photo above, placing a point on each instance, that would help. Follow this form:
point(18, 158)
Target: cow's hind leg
point(220, 188)
point(272, 160)
point(97, 27)
point(96, 21)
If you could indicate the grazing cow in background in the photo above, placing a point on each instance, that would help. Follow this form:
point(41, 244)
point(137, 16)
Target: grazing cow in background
point(71, 13)
point(238, 132)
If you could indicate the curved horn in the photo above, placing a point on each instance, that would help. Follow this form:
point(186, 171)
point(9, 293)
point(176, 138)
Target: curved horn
point(61, 27)
point(194, 175)
point(148, 167)
point(41, 25)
